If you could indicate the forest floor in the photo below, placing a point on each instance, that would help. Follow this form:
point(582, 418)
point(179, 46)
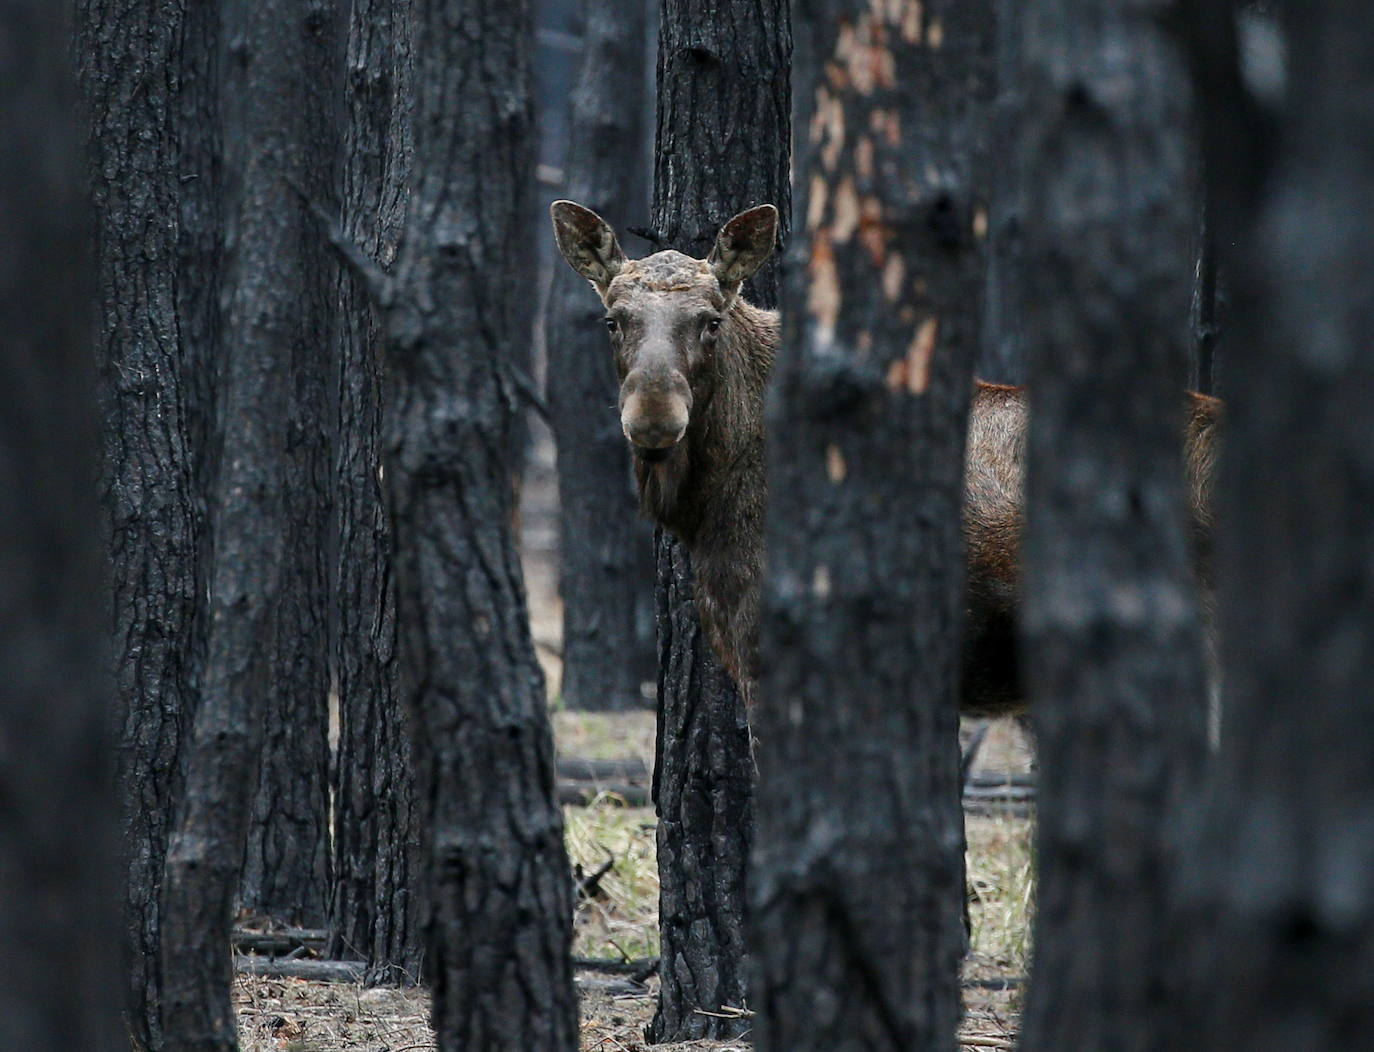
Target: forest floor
point(621, 920)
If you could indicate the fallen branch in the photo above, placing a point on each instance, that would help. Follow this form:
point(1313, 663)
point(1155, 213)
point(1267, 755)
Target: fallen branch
point(580, 794)
point(576, 769)
point(279, 943)
point(314, 971)
point(637, 970)
point(973, 1041)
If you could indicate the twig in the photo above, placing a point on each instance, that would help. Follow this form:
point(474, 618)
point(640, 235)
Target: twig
point(366, 269)
point(973, 1041)
point(314, 971)
point(727, 1012)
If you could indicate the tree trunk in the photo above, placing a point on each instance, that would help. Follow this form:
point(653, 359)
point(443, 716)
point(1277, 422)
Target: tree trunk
point(58, 871)
point(1111, 628)
point(147, 482)
point(375, 910)
point(1002, 359)
point(1277, 903)
point(857, 927)
point(602, 536)
point(286, 870)
point(269, 72)
point(722, 146)
point(499, 926)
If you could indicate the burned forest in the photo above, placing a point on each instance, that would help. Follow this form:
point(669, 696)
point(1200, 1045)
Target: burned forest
point(573, 526)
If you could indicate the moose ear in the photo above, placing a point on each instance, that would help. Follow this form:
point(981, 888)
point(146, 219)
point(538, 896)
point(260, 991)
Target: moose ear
point(743, 245)
point(587, 242)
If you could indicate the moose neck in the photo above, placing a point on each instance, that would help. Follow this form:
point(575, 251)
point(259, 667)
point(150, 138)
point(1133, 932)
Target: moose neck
point(717, 472)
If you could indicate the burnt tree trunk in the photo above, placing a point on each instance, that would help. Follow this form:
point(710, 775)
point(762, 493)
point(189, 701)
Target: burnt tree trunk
point(1276, 894)
point(499, 923)
point(724, 115)
point(375, 910)
point(286, 866)
point(1002, 359)
point(268, 75)
point(58, 875)
point(1112, 631)
point(603, 543)
point(857, 928)
point(147, 478)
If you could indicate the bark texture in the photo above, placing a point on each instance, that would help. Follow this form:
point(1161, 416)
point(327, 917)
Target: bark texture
point(375, 908)
point(286, 866)
point(722, 146)
point(267, 79)
point(603, 543)
point(1111, 625)
point(499, 925)
point(857, 878)
point(1003, 356)
point(1277, 900)
point(147, 473)
point(58, 874)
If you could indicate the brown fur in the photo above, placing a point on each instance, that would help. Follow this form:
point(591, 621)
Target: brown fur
point(994, 516)
point(705, 484)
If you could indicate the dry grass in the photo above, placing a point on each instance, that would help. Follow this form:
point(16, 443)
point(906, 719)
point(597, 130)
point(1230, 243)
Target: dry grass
point(622, 921)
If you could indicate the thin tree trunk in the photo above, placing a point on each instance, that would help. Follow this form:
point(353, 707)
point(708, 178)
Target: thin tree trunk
point(499, 926)
point(58, 873)
point(375, 910)
point(858, 885)
point(286, 870)
point(1112, 631)
point(1277, 907)
point(722, 146)
point(1002, 359)
point(268, 74)
point(602, 542)
point(149, 494)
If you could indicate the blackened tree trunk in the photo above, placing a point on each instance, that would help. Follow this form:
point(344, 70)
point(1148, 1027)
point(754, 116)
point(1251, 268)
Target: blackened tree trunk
point(268, 77)
point(58, 875)
point(857, 927)
point(375, 908)
point(1277, 894)
point(499, 925)
point(150, 501)
point(1112, 631)
point(1003, 354)
point(286, 865)
point(724, 111)
point(602, 540)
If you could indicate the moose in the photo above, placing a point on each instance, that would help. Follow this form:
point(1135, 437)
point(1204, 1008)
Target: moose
point(693, 359)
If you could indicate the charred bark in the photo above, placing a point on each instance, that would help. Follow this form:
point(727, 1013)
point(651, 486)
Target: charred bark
point(858, 698)
point(722, 146)
point(58, 873)
point(147, 478)
point(499, 925)
point(1112, 631)
point(268, 74)
point(286, 868)
point(603, 543)
point(1276, 903)
point(1002, 359)
point(375, 909)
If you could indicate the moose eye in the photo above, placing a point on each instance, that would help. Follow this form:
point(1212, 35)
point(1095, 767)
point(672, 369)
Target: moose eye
point(612, 326)
point(712, 327)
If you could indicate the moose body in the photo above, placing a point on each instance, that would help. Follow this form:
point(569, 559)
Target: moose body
point(693, 360)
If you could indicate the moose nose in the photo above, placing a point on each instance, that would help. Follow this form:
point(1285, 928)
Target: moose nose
point(654, 412)
point(653, 435)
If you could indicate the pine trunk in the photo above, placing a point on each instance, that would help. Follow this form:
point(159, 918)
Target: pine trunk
point(375, 910)
point(603, 543)
point(858, 874)
point(269, 70)
point(147, 478)
point(499, 926)
point(1112, 631)
point(1277, 905)
point(722, 146)
point(286, 869)
point(59, 898)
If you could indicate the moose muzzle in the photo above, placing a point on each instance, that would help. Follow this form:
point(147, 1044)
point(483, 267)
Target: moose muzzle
point(654, 411)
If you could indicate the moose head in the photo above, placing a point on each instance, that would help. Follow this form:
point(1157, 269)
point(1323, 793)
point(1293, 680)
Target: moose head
point(667, 314)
